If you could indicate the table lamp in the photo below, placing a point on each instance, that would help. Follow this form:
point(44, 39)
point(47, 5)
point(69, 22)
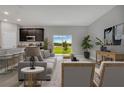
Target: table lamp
point(32, 52)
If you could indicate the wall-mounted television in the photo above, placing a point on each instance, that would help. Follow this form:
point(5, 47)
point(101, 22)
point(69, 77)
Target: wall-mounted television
point(31, 34)
point(113, 35)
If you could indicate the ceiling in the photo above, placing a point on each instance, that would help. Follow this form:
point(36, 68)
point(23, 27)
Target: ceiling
point(54, 15)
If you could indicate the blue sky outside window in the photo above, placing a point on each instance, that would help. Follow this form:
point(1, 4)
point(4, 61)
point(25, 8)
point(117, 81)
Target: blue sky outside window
point(62, 38)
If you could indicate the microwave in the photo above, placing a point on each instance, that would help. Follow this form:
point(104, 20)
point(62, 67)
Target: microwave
point(30, 38)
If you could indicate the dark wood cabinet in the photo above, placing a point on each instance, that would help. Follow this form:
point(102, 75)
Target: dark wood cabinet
point(37, 32)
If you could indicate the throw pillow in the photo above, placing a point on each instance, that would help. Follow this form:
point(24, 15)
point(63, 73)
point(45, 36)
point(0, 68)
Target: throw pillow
point(42, 53)
point(46, 53)
point(40, 58)
point(27, 58)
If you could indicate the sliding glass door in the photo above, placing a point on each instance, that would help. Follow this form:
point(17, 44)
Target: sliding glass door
point(62, 44)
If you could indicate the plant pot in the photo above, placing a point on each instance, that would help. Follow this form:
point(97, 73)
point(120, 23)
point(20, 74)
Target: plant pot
point(87, 55)
point(103, 48)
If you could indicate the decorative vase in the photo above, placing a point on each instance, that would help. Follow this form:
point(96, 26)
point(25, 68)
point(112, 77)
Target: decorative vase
point(103, 48)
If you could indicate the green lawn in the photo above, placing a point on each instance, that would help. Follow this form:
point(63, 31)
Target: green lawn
point(59, 50)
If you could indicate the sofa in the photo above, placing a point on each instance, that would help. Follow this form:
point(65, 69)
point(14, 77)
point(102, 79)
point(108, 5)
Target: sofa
point(44, 59)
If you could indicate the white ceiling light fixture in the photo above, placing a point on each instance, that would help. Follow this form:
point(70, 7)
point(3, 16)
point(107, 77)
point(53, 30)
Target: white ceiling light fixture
point(18, 20)
point(5, 20)
point(6, 13)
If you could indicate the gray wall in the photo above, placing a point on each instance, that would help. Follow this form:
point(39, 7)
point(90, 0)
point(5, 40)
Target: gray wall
point(77, 32)
point(113, 17)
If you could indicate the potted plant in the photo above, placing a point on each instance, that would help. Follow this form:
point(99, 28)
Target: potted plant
point(86, 45)
point(100, 43)
point(45, 43)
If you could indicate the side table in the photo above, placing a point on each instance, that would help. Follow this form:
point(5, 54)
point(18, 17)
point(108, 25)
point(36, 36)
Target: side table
point(32, 82)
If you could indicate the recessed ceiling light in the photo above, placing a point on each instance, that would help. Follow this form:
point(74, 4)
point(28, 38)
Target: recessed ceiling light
point(18, 19)
point(5, 20)
point(6, 13)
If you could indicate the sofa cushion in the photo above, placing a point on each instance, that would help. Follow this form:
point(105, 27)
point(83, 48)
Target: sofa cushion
point(50, 59)
point(52, 55)
point(42, 53)
point(37, 58)
point(40, 58)
point(46, 53)
point(27, 58)
point(50, 67)
point(49, 71)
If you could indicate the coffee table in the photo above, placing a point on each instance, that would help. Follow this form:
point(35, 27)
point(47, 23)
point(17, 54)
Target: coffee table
point(32, 82)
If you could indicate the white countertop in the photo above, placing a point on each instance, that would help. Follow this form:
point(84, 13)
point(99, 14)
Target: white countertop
point(10, 52)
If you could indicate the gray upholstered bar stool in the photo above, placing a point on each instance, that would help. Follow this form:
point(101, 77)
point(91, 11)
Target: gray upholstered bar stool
point(5, 62)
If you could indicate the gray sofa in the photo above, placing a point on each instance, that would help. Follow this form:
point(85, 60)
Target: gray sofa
point(44, 76)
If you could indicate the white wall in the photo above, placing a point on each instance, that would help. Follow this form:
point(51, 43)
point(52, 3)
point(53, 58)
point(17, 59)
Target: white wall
point(8, 35)
point(113, 17)
point(77, 32)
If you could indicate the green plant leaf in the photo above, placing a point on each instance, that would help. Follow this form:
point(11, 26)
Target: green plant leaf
point(99, 42)
point(86, 43)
